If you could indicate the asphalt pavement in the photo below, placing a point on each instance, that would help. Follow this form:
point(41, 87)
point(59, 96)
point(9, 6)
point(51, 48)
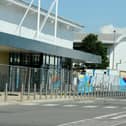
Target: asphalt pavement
point(77, 113)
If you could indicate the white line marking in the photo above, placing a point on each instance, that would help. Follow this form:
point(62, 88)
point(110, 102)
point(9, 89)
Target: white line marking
point(70, 105)
point(29, 104)
point(73, 123)
point(123, 100)
point(100, 117)
point(119, 117)
point(110, 107)
point(117, 124)
point(90, 106)
point(50, 105)
point(109, 115)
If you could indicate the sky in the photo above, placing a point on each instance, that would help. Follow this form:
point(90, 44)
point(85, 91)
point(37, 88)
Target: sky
point(96, 15)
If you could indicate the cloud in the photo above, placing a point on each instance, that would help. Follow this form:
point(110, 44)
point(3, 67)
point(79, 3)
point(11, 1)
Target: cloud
point(110, 28)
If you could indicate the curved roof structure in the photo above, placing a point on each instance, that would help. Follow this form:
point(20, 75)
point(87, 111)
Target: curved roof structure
point(43, 12)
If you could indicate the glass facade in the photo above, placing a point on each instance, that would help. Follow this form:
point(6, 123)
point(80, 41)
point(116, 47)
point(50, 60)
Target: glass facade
point(36, 68)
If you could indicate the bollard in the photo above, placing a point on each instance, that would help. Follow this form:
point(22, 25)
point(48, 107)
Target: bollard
point(61, 91)
point(46, 92)
point(28, 96)
point(70, 92)
point(108, 90)
point(116, 93)
point(22, 92)
point(95, 92)
point(84, 91)
point(29, 78)
point(34, 92)
point(92, 92)
point(40, 93)
point(65, 92)
point(88, 92)
point(77, 94)
point(56, 92)
point(103, 91)
point(61, 87)
point(83, 94)
point(74, 94)
point(51, 93)
point(6, 92)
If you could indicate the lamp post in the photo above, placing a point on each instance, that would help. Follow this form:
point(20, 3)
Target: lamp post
point(114, 38)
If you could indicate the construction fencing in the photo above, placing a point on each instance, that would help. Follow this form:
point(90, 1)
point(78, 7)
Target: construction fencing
point(19, 83)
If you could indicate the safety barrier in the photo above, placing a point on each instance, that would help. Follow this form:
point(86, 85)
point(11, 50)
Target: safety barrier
point(19, 83)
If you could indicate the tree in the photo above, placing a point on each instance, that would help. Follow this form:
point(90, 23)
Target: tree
point(91, 44)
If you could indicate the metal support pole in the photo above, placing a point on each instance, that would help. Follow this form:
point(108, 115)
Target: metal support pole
point(40, 97)
point(113, 60)
point(51, 92)
point(65, 91)
point(70, 91)
point(34, 92)
point(6, 92)
point(46, 92)
point(22, 92)
point(49, 11)
point(29, 79)
point(67, 82)
point(28, 91)
point(29, 84)
point(56, 16)
point(22, 20)
point(74, 93)
point(95, 93)
point(61, 88)
point(56, 92)
point(88, 92)
point(38, 18)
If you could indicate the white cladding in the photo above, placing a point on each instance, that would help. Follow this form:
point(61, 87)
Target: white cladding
point(119, 50)
point(11, 15)
point(119, 57)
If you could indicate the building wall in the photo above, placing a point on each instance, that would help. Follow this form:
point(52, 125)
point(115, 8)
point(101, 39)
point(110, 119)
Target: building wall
point(11, 15)
point(4, 57)
point(119, 57)
point(4, 61)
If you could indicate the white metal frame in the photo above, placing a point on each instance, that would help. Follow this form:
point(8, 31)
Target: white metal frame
point(38, 20)
point(40, 27)
point(23, 18)
point(56, 16)
point(61, 19)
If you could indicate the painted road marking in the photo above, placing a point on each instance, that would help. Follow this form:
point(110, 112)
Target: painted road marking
point(74, 123)
point(119, 117)
point(109, 115)
point(90, 106)
point(50, 105)
point(110, 107)
point(100, 117)
point(29, 104)
point(117, 124)
point(70, 105)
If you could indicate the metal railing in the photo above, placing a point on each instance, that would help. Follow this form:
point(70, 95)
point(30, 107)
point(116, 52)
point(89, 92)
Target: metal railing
point(25, 83)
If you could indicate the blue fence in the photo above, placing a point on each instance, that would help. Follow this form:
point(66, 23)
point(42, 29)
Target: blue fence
point(85, 84)
point(122, 84)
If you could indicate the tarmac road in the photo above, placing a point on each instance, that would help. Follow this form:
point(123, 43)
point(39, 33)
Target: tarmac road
point(63, 114)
